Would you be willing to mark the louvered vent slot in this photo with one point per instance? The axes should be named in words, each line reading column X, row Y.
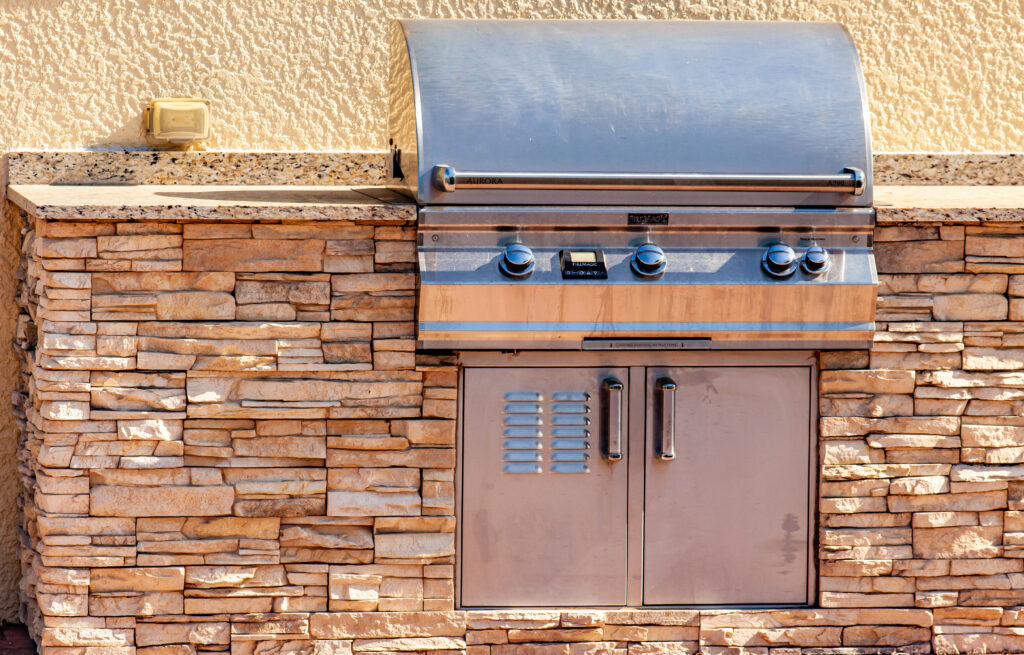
column 570, row 434
column 522, row 434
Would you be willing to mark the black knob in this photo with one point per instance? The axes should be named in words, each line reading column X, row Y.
column 779, row 260
column 815, row 260
column 516, row 261
column 648, row 261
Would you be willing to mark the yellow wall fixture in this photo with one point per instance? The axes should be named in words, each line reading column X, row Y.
column 177, row 120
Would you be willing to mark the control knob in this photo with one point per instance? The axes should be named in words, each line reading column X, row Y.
column 648, row 260
column 815, row 260
column 779, row 260
column 516, row 260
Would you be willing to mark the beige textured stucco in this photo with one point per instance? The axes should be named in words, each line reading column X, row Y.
column 309, row 74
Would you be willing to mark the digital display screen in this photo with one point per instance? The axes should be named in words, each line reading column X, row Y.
column 583, row 265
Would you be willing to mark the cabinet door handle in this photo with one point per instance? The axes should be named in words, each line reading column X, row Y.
column 611, row 412
column 666, row 416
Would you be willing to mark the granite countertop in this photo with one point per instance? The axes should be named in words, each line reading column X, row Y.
column 205, row 202
column 969, row 205
column 965, row 205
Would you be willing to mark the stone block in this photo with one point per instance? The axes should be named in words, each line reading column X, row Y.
column 387, row 625
column 253, row 255
column 957, row 543
column 160, row 501
column 415, row 546
column 970, row 307
column 207, row 633
column 920, row 256
column 158, row 578
column 372, row 503
column 195, row 306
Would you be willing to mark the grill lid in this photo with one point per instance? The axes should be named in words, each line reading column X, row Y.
column 629, row 112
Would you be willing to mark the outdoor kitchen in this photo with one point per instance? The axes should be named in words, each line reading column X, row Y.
column 605, row 354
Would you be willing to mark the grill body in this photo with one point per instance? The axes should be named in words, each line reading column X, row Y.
column 636, row 234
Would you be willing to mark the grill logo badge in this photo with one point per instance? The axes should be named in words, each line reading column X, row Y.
column 647, row 219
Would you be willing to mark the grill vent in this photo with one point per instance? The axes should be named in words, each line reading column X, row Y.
column 522, row 434
column 523, row 437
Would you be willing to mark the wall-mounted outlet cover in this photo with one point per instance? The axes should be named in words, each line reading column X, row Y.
column 177, row 120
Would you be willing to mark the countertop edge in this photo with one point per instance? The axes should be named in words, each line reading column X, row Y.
column 209, row 203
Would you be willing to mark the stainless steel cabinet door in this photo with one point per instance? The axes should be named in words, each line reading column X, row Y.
column 726, row 519
column 544, row 487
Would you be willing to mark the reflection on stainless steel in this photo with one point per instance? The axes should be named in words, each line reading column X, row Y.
column 516, row 261
column 666, row 403
column 447, row 179
column 779, row 260
column 611, row 416
column 648, row 261
column 741, row 105
column 816, row 260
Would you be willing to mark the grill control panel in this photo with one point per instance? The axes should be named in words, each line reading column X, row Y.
column 716, row 278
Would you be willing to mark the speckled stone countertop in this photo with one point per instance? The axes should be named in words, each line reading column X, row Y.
column 220, row 203
column 962, row 205
column 967, row 205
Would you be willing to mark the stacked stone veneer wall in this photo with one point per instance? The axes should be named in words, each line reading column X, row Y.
column 229, row 443
column 226, row 429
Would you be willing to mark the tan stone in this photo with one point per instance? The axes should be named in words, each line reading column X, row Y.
column 992, row 435
column 919, row 486
column 970, row 307
column 357, row 625
column 409, row 546
column 814, row 617
column 747, row 637
column 374, row 479
column 530, row 649
column 254, row 528
column 370, row 503
column 265, row 312
column 88, row 636
column 160, row 501
column 320, row 536
column 199, row 633
column 171, row 649
column 566, row 634
column 957, row 542
column 885, row 635
column 62, row 604
column 308, row 447
column 253, row 255
column 984, row 642
column 920, row 257
column 235, row 576
column 964, row 502
column 993, row 359
column 150, row 429
column 371, row 282
column 135, row 603
column 66, row 248
column 163, row 578
column 195, row 306
column 165, row 361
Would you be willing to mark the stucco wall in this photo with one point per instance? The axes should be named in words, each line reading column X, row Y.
column 309, row 74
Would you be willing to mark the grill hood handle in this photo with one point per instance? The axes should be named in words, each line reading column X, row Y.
column 448, row 179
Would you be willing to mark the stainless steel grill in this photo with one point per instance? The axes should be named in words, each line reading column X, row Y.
column 600, row 202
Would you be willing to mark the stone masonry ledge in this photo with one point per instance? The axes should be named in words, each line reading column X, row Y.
column 212, row 203
column 951, row 205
